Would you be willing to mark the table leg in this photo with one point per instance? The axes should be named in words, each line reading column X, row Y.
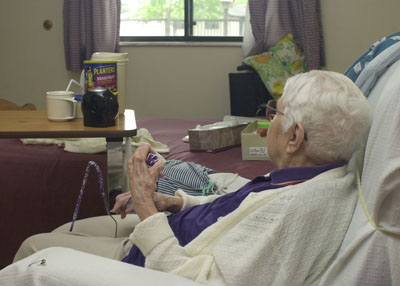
column 127, row 155
column 115, row 162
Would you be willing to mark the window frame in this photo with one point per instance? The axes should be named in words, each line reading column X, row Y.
column 187, row 37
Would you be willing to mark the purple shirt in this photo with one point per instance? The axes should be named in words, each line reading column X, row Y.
column 189, row 223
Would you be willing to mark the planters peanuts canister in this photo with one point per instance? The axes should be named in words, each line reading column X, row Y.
column 101, row 73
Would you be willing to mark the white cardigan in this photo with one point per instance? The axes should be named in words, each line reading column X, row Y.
column 285, row 236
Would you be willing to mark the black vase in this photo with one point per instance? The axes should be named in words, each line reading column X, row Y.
column 99, row 107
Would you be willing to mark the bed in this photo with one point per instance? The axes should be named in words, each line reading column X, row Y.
column 171, row 132
column 40, row 184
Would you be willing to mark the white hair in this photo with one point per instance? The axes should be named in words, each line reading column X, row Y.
column 334, row 112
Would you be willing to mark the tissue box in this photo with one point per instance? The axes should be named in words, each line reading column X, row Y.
column 254, row 147
column 216, row 139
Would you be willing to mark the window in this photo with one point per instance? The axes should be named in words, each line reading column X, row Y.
column 182, row 20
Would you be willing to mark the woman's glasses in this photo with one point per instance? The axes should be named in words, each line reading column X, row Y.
column 272, row 110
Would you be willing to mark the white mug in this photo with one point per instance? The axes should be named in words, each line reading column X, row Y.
column 61, row 105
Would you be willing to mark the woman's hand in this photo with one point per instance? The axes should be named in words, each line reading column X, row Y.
column 122, row 204
column 143, row 182
column 143, row 198
column 163, row 203
column 167, row 203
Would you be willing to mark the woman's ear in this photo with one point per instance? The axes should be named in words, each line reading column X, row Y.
column 296, row 139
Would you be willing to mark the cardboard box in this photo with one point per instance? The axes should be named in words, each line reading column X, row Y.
column 254, row 147
column 215, row 140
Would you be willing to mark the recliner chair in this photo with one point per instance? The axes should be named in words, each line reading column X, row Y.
column 370, row 253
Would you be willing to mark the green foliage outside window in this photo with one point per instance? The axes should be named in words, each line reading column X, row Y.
column 153, row 9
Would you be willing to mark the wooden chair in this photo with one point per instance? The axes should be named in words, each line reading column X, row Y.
column 8, row 105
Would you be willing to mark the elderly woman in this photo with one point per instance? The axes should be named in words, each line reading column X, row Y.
column 280, row 229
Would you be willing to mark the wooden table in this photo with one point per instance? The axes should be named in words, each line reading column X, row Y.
column 34, row 124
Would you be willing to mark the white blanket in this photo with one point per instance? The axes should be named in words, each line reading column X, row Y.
column 285, row 236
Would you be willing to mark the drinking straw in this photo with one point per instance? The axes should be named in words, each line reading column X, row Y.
column 73, row 81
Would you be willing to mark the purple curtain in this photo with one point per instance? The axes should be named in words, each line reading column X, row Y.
column 258, row 10
column 271, row 20
column 89, row 26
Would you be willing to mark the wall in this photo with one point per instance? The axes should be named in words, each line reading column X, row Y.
column 350, row 27
column 32, row 59
column 167, row 81
column 189, row 82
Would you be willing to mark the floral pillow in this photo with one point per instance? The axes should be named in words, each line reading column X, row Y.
column 289, row 54
column 271, row 70
column 280, row 62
